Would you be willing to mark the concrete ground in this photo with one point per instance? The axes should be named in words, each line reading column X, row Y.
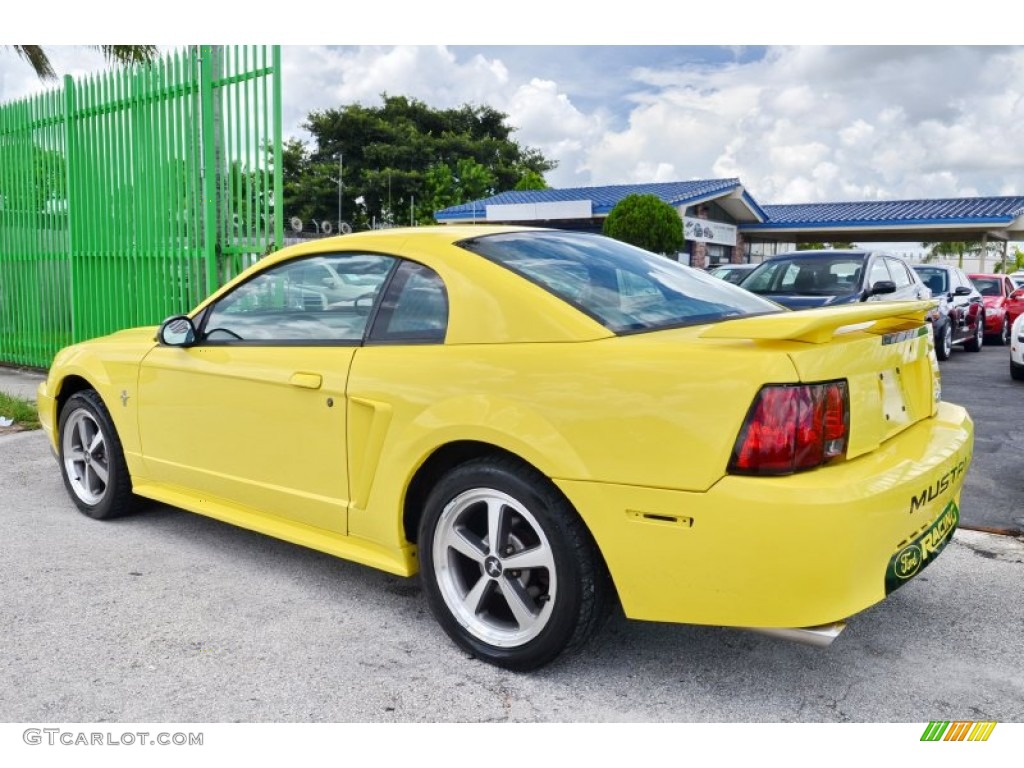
column 20, row 382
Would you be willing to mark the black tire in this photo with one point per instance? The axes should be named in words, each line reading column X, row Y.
column 943, row 342
column 974, row 343
column 92, row 460
column 1016, row 371
column 1004, row 332
column 519, row 618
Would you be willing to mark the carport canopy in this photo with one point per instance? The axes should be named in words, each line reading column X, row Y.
column 955, row 219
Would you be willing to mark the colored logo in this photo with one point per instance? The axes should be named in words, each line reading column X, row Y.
column 908, row 561
column 920, row 552
column 960, row 730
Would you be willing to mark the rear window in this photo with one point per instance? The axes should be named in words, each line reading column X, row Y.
column 935, row 278
column 624, row 288
column 988, row 286
column 819, row 275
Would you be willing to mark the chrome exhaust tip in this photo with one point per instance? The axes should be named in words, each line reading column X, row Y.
column 819, row 637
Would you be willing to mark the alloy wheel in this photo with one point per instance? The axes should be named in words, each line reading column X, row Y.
column 85, row 457
column 495, row 568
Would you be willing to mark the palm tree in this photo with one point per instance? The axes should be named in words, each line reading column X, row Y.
column 959, row 249
column 119, row 54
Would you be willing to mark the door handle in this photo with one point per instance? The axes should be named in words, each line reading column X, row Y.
column 306, row 380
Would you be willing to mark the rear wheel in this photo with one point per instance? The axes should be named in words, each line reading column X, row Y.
column 1016, row 371
column 974, row 344
column 509, row 569
column 91, row 459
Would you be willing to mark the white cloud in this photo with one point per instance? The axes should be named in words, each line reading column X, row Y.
column 797, row 124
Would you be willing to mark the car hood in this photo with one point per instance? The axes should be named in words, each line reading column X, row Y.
column 992, row 301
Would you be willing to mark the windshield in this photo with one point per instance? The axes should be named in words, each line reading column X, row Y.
column 988, row 286
column 732, row 275
column 624, row 288
column 819, row 275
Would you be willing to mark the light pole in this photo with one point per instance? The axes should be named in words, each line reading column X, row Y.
column 341, row 185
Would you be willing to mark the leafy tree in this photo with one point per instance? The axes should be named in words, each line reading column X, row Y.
column 403, row 160
column 646, row 221
column 473, row 180
column 1015, row 263
column 531, row 180
column 37, row 58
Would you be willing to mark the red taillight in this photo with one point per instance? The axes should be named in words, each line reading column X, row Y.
column 792, row 427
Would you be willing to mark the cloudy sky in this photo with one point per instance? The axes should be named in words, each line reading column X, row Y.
column 795, row 123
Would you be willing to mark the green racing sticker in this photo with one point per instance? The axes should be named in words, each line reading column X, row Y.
column 916, row 555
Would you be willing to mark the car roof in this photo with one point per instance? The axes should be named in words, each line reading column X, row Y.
column 796, row 255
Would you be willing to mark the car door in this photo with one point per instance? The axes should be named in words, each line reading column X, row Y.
column 877, row 271
column 960, row 304
column 907, row 288
column 254, row 414
column 1014, row 300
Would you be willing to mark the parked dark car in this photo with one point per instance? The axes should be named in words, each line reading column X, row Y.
column 805, row 279
column 961, row 310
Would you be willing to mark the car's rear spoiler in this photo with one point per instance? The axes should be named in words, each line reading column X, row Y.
column 819, row 325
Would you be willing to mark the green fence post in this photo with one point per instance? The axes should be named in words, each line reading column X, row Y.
column 278, row 182
column 70, row 167
column 207, row 143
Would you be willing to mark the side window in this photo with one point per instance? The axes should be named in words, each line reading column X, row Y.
column 878, row 272
column 899, row 273
column 789, row 277
column 414, row 308
column 320, row 299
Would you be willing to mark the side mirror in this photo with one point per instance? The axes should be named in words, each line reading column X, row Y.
column 177, row 331
column 1017, row 295
column 883, row 286
column 962, row 290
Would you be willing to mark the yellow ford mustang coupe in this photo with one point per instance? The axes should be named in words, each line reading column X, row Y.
column 538, row 422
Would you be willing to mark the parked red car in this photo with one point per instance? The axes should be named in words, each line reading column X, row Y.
column 1003, row 302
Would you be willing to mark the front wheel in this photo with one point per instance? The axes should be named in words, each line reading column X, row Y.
column 91, row 459
column 943, row 342
column 509, row 569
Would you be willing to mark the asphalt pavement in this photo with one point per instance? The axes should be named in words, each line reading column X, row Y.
column 993, row 495
column 167, row 616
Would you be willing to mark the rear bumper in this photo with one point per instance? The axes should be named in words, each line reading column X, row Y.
column 796, row 551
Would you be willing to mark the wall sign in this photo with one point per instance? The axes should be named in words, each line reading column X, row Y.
column 704, row 231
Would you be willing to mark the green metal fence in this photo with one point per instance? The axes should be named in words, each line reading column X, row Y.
column 127, row 196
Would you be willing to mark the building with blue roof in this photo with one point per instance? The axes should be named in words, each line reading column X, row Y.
column 723, row 223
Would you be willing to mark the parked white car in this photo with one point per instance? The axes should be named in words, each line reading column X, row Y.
column 1017, row 349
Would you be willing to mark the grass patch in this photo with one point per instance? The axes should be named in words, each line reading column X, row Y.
column 22, row 411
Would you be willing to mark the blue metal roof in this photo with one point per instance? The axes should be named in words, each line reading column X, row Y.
column 887, row 213
column 674, row 193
